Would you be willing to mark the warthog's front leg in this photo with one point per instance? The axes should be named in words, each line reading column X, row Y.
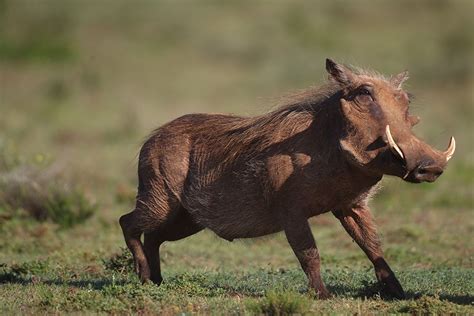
column 360, row 225
column 302, row 242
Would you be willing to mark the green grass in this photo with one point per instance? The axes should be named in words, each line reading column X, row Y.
column 82, row 85
column 49, row 286
column 204, row 274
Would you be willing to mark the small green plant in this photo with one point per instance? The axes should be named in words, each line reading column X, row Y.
column 430, row 305
column 279, row 302
column 121, row 262
column 68, row 208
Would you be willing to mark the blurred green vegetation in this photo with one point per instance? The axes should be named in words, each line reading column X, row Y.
column 83, row 83
column 35, row 189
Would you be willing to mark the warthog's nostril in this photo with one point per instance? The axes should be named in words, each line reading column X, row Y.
column 428, row 173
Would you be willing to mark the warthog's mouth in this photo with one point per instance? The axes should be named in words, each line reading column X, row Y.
column 423, row 174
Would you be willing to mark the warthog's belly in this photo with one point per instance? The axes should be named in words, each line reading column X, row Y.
column 233, row 217
column 235, row 206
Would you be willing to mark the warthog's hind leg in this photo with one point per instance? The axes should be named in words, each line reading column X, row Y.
column 178, row 227
column 151, row 243
column 132, row 231
column 358, row 222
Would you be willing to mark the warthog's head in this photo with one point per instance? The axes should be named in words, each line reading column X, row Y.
column 379, row 135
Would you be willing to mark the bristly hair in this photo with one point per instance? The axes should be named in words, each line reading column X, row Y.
column 237, row 135
column 369, row 73
column 234, row 135
column 309, row 97
column 294, row 113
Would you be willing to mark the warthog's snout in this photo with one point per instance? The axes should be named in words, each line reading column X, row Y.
column 427, row 172
column 424, row 164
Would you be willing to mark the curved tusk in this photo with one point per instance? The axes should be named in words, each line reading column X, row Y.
column 451, row 148
column 393, row 146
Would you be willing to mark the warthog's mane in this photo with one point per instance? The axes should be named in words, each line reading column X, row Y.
column 234, row 136
column 227, row 137
column 293, row 109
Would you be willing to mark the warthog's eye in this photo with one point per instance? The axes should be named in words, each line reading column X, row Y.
column 364, row 94
column 365, row 91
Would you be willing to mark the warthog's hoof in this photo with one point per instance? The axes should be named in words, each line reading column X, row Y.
column 143, row 272
column 392, row 288
column 324, row 295
column 156, row 280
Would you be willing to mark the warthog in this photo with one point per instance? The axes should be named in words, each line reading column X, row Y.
column 325, row 150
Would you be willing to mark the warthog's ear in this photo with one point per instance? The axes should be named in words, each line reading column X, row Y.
column 339, row 73
column 398, row 80
column 414, row 120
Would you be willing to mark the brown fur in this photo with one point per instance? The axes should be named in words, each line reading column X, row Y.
column 243, row 177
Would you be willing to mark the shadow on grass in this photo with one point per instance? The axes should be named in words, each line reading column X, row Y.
column 369, row 290
column 458, row 299
column 97, row 284
column 375, row 290
column 94, row 284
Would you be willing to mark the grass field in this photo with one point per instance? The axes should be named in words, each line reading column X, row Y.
column 83, row 83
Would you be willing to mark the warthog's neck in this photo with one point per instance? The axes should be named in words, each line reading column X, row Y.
column 334, row 184
column 309, row 167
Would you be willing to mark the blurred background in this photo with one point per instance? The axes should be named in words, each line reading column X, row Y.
column 82, row 83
